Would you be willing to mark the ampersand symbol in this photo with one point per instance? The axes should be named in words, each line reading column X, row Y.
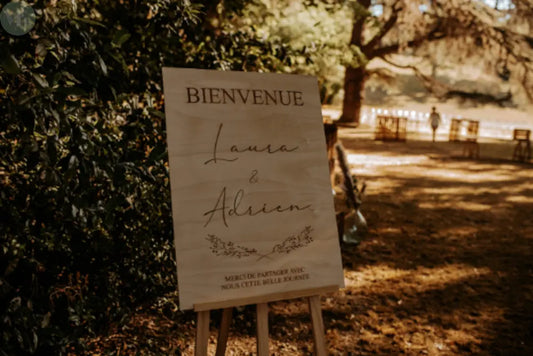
column 254, row 178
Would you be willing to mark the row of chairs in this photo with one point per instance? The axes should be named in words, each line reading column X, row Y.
column 394, row 128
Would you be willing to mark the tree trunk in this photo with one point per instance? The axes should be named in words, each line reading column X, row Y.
column 354, row 78
column 354, row 86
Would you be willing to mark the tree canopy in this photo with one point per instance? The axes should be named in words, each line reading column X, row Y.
column 498, row 38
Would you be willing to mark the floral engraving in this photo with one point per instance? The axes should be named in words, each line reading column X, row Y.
column 293, row 242
column 221, row 248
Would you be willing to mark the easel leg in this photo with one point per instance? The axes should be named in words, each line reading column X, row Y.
column 202, row 333
column 224, row 332
column 318, row 325
column 262, row 329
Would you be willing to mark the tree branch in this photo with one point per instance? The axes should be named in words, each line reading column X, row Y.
column 389, row 25
column 381, row 52
column 359, row 23
column 442, row 91
column 479, row 97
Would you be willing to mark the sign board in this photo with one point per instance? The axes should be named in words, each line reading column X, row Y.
column 251, row 197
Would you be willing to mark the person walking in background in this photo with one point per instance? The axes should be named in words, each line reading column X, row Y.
column 434, row 121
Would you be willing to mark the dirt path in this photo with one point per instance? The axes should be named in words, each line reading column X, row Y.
column 446, row 269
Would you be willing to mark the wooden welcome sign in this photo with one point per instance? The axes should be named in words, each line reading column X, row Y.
column 251, row 197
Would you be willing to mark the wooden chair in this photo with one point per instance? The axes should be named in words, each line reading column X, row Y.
column 390, row 128
column 381, row 130
column 455, row 130
column 522, row 150
column 401, row 129
column 470, row 144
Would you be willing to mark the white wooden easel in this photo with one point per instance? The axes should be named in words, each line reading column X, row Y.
column 203, row 316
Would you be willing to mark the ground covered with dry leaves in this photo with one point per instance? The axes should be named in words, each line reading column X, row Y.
column 446, row 268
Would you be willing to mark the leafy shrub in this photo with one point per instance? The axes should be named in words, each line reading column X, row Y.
column 86, row 230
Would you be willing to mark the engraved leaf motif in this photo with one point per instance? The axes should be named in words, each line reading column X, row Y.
column 294, row 242
column 220, row 247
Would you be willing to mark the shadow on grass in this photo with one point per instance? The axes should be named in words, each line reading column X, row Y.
column 447, row 266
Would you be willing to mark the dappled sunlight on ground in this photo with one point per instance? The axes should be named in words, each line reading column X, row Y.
column 445, row 269
column 464, row 175
column 520, row 199
column 464, row 205
column 419, row 280
column 372, row 160
column 420, row 336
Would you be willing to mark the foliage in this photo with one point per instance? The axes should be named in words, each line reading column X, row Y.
column 497, row 39
column 86, row 232
column 320, row 31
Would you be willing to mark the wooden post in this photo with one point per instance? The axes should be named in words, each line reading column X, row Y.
column 224, row 332
column 202, row 329
column 203, row 310
column 318, row 325
column 202, row 333
column 262, row 329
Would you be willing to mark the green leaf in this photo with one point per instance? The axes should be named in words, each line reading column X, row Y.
column 120, row 37
column 156, row 113
column 103, row 66
column 46, row 320
column 41, row 82
column 120, row 59
column 158, row 152
column 41, row 49
column 88, row 21
column 9, row 64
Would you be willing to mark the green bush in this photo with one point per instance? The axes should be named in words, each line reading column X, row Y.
column 86, row 231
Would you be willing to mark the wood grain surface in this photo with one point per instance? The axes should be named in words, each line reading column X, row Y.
column 251, row 198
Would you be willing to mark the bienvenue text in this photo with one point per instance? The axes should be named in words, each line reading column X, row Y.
column 244, row 96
